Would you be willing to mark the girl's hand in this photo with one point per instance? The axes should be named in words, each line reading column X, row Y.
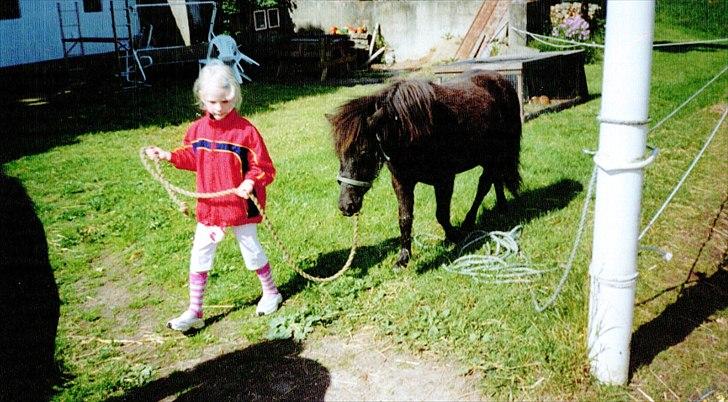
column 244, row 189
column 158, row 153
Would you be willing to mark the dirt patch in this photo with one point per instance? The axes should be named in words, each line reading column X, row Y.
column 109, row 299
column 719, row 108
column 110, row 294
column 364, row 368
column 359, row 368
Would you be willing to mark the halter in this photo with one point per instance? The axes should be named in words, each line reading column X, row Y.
column 359, row 183
column 352, row 182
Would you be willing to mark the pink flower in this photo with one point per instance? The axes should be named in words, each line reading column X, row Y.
column 573, row 28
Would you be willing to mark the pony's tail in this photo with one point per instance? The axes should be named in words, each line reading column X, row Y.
column 512, row 176
column 511, row 156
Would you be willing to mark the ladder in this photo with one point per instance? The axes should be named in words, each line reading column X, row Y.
column 129, row 66
column 65, row 11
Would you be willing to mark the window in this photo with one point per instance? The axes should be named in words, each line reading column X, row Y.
column 259, row 20
column 9, row 9
column 91, row 6
column 273, row 20
column 266, row 19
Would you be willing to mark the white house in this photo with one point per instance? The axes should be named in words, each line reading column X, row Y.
column 31, row 29
column 43, row 30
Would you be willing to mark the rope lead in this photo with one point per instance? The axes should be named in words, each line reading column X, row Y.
column 155, row 170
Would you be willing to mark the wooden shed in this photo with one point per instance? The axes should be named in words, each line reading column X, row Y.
column 545, row 81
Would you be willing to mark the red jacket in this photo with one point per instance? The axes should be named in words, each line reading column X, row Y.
column 224, row 153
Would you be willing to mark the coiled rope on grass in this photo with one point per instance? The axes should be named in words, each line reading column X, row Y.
column 499, row 262
column 155, row 170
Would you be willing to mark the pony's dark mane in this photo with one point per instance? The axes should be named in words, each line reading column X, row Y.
column 411, row 102
column 349, row 120
column 408, row 101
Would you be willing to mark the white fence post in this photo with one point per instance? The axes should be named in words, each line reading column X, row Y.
column 622, row 143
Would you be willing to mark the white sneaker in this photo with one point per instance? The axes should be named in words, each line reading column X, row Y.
column 184, row 322
column 268, row 304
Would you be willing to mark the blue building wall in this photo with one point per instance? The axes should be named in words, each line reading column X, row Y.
column 36, row 35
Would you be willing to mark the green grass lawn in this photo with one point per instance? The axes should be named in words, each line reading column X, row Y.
column 119, row 249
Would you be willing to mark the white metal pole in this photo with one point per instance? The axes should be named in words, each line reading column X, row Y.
column 622, row 143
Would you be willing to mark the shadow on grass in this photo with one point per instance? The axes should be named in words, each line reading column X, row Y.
column 46, row 111
column 706, row 47
column 694, row 305
column 268, row 371
column 521, row 210
column 29, row 300
column 692, row 308
column 531, row 205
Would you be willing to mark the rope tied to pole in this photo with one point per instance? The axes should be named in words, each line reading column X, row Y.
column 155, row 170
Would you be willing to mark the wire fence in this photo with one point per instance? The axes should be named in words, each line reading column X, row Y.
column 568, row 43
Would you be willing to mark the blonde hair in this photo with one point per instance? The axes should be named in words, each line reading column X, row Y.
column 217, row 74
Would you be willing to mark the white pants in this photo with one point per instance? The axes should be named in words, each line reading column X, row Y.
column 208, row 237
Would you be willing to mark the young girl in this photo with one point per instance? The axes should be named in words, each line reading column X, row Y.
column 226, row 151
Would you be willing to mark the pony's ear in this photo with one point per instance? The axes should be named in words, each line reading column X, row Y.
column 374, row 119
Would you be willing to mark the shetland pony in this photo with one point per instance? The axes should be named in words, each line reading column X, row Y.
column 427, row 133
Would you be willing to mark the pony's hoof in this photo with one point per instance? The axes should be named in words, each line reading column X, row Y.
column 454, row 235
column 501, row 207
column 402, row 260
